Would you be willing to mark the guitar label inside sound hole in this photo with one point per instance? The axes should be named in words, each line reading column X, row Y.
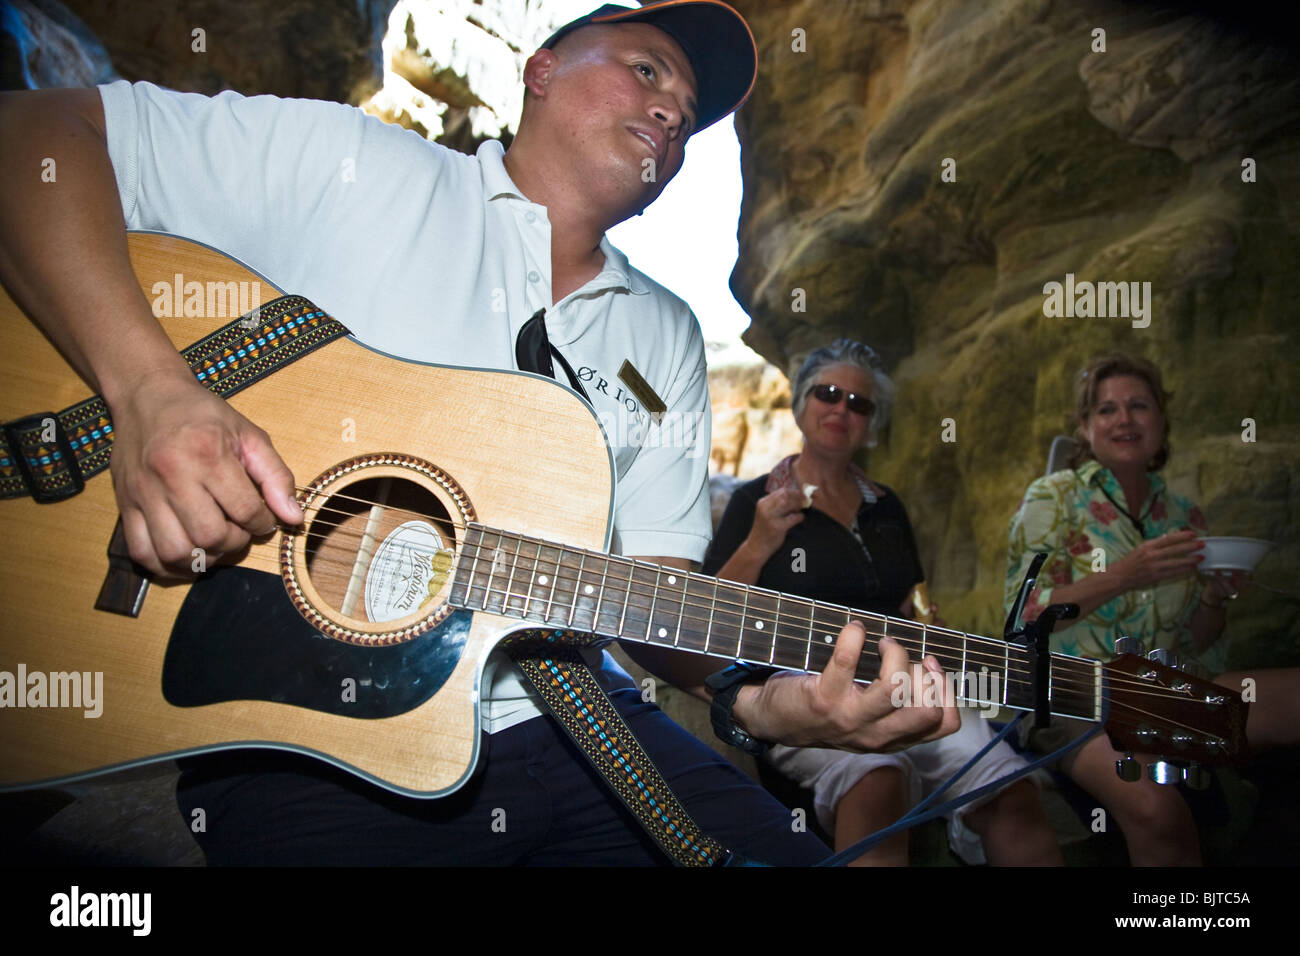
column 380, row 549
column 407, row 572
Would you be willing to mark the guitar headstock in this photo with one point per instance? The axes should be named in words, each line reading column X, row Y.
column 1156, row 709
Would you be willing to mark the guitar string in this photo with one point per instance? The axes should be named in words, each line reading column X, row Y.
column 1084, row 688
column 1084, row 682
column 1119, row 708
column 452, row 523
column 1063, row 667
column 1062, row 679
column 1060, row 670
column 1164, row 719
column 651, row 590
column 646, row 589
column 813, row 612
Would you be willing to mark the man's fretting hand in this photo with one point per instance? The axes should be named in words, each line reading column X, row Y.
column 832, row 710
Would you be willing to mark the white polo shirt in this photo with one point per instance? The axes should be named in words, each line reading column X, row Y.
column 428, row 254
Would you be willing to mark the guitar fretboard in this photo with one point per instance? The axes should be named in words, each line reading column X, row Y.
column 553, row 585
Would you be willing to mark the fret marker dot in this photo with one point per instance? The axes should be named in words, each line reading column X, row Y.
column 759, row 625
column 672, row 579
column 588, row 589
column 663, row 632
column 542, row 579
column 828, row 639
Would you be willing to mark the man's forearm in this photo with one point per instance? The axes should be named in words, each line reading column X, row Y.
column 63, row 256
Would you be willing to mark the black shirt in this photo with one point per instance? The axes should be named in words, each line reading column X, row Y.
column 821, row 559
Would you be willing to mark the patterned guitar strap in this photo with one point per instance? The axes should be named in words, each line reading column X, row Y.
column 51, row 455
column 551, row 661
column 553, row 664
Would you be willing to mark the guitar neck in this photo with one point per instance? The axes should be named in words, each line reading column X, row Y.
column 555, row 586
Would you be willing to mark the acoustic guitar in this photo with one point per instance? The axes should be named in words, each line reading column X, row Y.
column 438, row 522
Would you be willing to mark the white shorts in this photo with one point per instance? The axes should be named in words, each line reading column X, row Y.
column 830, row 774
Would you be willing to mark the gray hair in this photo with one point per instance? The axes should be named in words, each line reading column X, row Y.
column 847, row 352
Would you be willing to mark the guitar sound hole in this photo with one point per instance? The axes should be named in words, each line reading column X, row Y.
column 380, row 549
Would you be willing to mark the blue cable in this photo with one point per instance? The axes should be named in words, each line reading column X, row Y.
column 919, row 813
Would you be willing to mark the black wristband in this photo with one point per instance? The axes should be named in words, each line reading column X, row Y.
column 725, row 685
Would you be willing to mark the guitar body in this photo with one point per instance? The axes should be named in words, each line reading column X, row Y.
column 232, row 660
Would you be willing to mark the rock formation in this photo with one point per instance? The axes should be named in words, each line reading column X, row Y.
column 288, row 47
column 921, row 169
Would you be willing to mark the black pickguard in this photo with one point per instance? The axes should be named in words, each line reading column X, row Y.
column 238, row 637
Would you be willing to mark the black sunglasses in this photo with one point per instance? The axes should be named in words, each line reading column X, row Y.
column 831, row 395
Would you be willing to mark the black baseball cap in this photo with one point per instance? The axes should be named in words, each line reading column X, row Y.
column 715, row 38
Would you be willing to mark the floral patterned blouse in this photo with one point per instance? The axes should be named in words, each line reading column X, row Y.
column 1067, row 515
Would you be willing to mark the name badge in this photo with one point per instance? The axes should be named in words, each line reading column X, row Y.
column 638, row 386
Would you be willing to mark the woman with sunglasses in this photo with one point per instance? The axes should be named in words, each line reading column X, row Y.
column 818, row 527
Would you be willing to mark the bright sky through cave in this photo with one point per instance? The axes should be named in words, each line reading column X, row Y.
column 686, row 240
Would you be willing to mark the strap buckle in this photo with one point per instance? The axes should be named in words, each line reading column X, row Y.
column 44, row 491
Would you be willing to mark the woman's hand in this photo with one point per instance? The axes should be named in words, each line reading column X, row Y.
column 774, row 515
column 1223, row 586
column 1172, row 555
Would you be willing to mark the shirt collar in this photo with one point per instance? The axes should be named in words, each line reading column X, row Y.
column 782, row 476
column 492, row 167
column 1093, row 473
column 617, row 272
column 497, row 184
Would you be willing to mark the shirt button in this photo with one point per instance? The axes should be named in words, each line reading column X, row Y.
column 533, row 276
column 530, row 217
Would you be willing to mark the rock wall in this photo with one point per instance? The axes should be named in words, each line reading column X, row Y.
column 753, row 426
column 303, row 48
column 920, row 169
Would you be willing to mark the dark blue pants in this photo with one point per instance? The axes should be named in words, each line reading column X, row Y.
column 535, row 800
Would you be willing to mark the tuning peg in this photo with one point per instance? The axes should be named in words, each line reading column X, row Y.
column 1162, row 655
column 1129, row 645
column 1197, row 777
column 1164, row 773
column 1128, row 769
